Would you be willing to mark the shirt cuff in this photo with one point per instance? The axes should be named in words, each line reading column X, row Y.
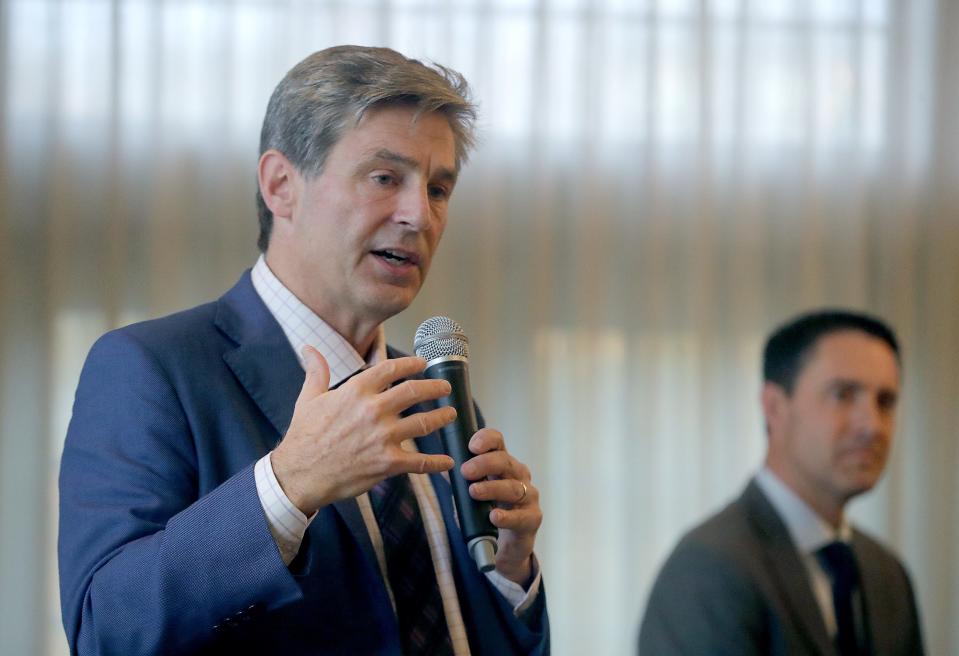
column 286, row 522
column 513, row 591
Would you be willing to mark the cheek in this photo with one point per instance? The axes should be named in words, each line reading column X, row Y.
column 434, row 236
column 884, row 443
column 439, row 226
column 817, row 438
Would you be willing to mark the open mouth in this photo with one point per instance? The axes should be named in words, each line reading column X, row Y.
column 396, row 257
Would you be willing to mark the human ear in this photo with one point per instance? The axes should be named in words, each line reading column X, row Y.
column 773, row 399
column 275, row 175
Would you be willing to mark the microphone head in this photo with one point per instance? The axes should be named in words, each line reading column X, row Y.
column 440, row 337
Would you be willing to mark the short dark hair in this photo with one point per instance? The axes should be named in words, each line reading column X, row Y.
column 789, row 347
column 331, row 90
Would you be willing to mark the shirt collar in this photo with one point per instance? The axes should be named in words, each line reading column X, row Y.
column 303, row 327
column 808, row 530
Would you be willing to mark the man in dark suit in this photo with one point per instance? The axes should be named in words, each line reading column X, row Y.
column 228, row 485
column 780, row 570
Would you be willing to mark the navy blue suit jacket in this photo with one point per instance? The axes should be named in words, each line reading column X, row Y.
column 164, row 547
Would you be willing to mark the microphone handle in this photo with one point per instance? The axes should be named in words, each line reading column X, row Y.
column 478, row 531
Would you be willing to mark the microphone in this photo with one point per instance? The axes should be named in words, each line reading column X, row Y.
column 441, row 342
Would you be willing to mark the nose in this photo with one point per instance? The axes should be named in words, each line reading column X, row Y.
column 871, row 417
column 413, row 207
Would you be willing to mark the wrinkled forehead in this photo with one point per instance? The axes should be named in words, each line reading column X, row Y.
column 417, row 115
column 416, row 140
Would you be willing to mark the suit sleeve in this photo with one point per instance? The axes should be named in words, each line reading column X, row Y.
column 147, row 567
column 702, row 603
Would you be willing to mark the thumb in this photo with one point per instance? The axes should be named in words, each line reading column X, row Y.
column 317, row 379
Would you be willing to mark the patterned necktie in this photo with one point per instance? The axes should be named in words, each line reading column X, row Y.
column 409, row 563
column 840, row 564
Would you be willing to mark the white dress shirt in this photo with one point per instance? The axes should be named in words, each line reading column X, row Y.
column 288, row 525
column 809, row 533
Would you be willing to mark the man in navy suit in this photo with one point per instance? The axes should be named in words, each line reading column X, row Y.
column 229, row 469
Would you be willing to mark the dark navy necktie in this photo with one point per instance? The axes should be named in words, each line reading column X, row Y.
column 409, row 564
column 839, row 563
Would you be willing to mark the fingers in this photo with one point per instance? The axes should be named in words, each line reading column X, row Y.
column 393, row 400
column 495, row 464
column 487, row 439
column 422, row 423
column 317, row 379
column 410, row 392
column 511, row 492
column 379, row 377
column 422, row 463
column 524, row 519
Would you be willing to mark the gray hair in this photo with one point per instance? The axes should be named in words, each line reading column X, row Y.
column 331, row 90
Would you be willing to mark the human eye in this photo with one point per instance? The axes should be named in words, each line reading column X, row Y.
column 887, row 401
column 844, row 392
column 384, row 179
column 438, row 192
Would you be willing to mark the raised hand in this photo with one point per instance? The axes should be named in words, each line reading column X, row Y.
column 342, row 442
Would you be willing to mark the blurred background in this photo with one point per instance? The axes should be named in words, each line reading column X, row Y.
column 658, row 184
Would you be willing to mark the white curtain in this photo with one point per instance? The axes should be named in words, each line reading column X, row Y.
column 659, row 183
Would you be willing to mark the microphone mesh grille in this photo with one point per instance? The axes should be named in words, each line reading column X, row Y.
column 439, row 337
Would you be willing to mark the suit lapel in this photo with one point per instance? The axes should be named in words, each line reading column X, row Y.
column 263, row 360
column 872, row 580
column 783, row 563
column 265, row 365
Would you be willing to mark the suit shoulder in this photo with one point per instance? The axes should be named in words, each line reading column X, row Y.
column 717, row 549
column 705, row 598
column 723, row 532
column 177, row 325
column 181, row 332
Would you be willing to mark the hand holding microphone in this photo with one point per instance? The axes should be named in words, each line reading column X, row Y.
column 484, row 472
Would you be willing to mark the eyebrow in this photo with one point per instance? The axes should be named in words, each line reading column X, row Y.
column 845, row 382
column 443, row 173
column 858, row 385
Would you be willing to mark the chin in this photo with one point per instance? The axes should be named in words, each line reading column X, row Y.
column 862, row 482
column 391, row 304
